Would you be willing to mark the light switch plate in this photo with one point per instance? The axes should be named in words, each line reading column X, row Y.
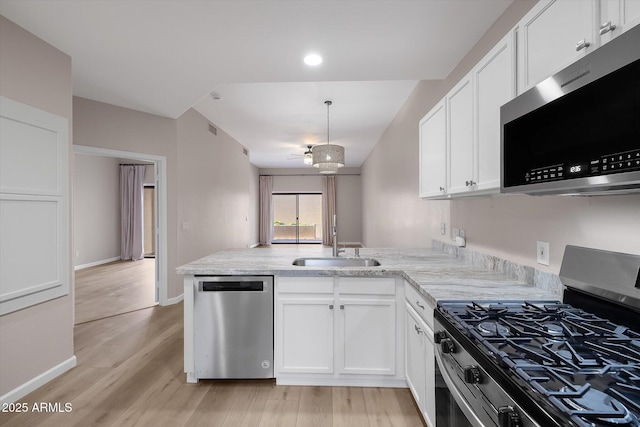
column 542, row 252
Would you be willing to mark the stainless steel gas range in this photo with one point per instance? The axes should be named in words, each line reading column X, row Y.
column 547, row 363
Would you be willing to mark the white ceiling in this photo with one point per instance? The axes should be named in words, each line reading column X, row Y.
column 165, row 56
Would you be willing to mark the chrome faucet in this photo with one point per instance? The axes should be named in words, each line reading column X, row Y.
column 336, row 251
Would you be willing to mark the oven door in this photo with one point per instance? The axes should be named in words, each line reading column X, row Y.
column 452, row 410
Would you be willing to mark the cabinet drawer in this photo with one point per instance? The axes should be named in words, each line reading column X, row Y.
column 419, row 303
column 367, row 286
column 305, row 285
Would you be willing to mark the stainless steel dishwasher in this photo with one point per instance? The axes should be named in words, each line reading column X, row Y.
column 233, row 327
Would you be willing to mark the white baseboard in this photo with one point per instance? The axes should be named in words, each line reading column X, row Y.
column 340, row 382
column 255, row 245
column 175, row 300
column 37, row 382
column 93, row 264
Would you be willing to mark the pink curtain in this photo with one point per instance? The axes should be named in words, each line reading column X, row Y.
column 265, row 222
column 131, row 211
column 328, row 208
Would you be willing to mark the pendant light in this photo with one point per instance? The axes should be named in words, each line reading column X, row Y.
column 328, row 157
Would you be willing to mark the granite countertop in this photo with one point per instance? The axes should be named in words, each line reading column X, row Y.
column 435, row 275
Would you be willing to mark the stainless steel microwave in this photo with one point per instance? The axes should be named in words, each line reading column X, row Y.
column 577, row 132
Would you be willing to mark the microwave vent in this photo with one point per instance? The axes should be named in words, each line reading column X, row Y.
column 581, row 72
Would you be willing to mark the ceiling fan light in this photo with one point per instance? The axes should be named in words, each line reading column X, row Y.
column 308, row 159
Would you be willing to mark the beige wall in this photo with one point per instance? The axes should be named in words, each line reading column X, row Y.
column 38, row 338
column 216, row 197
column 96, row 209
column 505, row 226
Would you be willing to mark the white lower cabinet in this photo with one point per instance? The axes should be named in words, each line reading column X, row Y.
column 305, row 339
column 367, row 335
column 339, row 330
column 419, row 354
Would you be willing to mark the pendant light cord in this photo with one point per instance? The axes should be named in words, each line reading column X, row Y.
column 328, row 104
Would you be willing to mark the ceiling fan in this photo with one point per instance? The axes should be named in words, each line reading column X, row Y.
column 307, row 156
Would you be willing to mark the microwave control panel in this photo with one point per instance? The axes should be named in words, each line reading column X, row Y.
column 627, row 161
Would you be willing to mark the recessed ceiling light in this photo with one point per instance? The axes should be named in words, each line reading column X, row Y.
column 313, row 59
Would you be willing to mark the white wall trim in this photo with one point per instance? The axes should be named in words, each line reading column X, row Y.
column 93, row 264
column 160, row 162
column 37, row 382
column 174, row 300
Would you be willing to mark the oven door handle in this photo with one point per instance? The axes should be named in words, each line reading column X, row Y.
column 459, row 398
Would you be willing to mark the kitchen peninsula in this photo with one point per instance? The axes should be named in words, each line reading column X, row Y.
column 426, row 273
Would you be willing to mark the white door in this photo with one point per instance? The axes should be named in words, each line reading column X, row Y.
column 366, row 338
column 415, row 356
column 461, row 144
column 616, row 17
column 305, row 334
column 433, row 148
column 550, row 37
column 495, row 85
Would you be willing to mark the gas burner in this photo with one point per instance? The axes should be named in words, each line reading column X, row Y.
column 597, row 406
column 554, row 330
column 494, row 329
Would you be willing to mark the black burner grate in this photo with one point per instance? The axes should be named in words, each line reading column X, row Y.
column 586, row 366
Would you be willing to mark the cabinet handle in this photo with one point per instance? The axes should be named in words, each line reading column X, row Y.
column 341, row 307
column 418, row 304
column 418, row 330
column 330, row 306
column 607, row 27
column 582, row 44
column 441, row 188
column 470, row 183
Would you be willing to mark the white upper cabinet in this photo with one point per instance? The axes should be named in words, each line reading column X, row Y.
column 553, row 35
column 616, row 17
column 460, row 136
column 495, row 84
column 460, row 131
column 433, row 149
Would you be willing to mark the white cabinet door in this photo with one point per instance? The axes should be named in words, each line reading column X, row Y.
column 461, row 143
column 549, row 38
column 616, row 17
column 366, row 342
column 429, row 409
column 495, row 84
column 415, row 356
column 433, row 147
column 305, row 334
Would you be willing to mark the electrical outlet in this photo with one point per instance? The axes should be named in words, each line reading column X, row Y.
column 461, row 233
column 443, row 228
column 456, row 232
column 542, row 252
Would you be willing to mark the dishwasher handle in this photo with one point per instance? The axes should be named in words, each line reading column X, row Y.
column 232, row 286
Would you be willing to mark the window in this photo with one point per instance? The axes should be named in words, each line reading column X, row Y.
column 297, row 218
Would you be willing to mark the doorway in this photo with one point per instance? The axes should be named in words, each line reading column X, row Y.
column 297, row 218
column 157, row 208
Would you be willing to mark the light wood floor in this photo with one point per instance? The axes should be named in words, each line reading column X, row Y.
column 114, row 288
column 129, row 373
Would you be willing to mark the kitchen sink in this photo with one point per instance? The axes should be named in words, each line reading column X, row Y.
column 336, row 262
